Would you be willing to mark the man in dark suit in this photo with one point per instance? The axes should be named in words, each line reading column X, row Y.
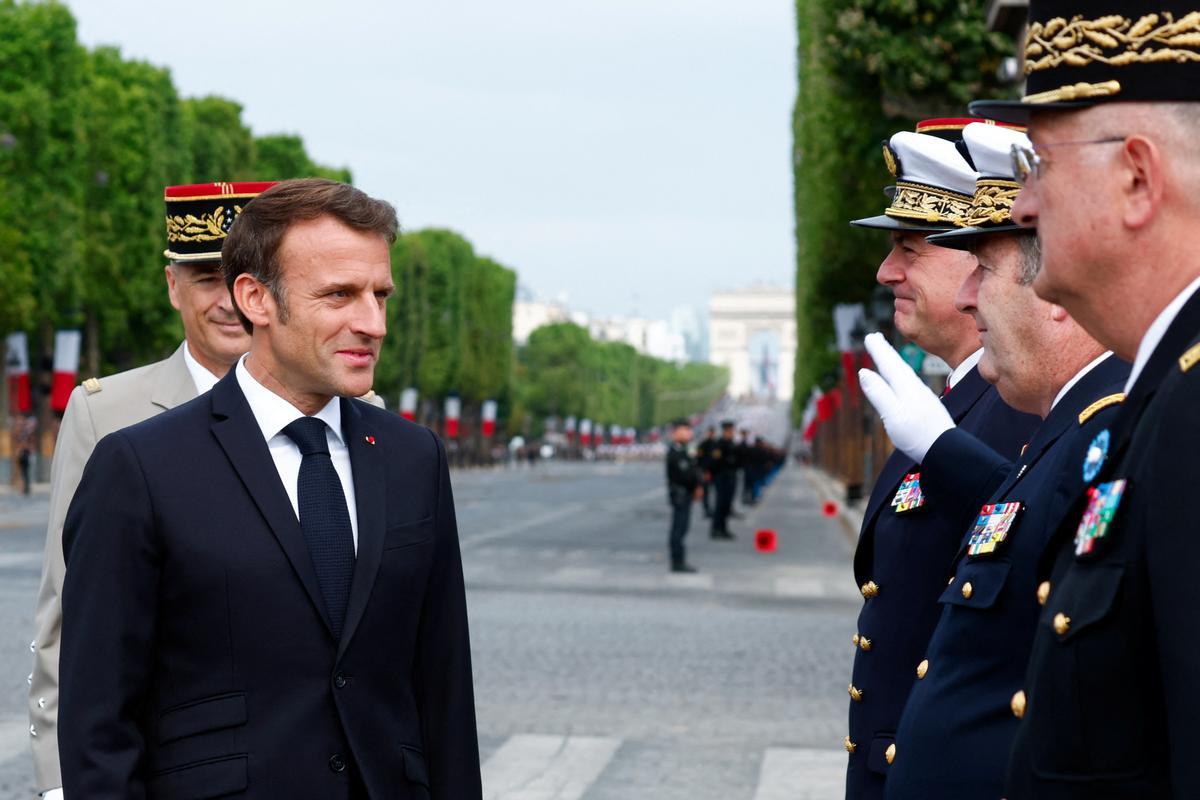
column 908, row 540
column 264, row 595
column 956, row 730
column 1110, row 184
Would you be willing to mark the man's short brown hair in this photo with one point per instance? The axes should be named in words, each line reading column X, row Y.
column 253, row 243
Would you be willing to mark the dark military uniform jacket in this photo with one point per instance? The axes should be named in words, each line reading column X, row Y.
column 957, row 728
column 704, row 453
column 1113, row 687
column 683, row 476
column 903, row 559
column 723, row 457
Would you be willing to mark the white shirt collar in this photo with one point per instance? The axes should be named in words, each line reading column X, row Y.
column 273, row 413
column 1079, row 376
column 1157, row 330
column 203, row 379
column 962, row 369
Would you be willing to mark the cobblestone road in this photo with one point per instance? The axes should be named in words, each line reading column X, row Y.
column 599, row 676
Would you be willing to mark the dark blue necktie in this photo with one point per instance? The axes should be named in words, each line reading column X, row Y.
column 324, row 518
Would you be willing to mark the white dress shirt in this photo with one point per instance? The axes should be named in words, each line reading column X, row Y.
column 1157, row 330
column 273, row 414
column 1095, row 362
column 962, row 369
column 203, row 379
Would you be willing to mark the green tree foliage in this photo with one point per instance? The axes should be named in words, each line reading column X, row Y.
column 867, row 68
column 562, row 372
column 220, row 144
column 282, row 156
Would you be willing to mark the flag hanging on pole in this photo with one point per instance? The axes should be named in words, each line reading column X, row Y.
column 16, row 360
column 488, row 416
column 569, row 428
column 453, row 412
column 408, row 404
column 66, row 366
column 585, row 433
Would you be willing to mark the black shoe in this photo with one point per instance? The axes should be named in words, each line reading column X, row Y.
column 683, row 567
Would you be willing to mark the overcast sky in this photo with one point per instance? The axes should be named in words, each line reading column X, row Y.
column 633, row 155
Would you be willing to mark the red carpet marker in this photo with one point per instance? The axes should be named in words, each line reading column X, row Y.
column 829, row 509
column 764, row 541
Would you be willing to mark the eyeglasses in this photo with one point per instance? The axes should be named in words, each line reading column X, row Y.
column 1027, row 163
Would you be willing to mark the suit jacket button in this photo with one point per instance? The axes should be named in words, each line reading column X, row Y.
column 337, row 763
column 1018, row 704
column 1043, row 592
column 967, row 590
column 1062, row 623
column 890, row 753
column 339, row 681
column 922, row 668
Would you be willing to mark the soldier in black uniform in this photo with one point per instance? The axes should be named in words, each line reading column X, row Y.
column 909, row 539
column 1111, row 698
column 956, row 730
column 704, row 460
column 724, row 467
column 683, row 485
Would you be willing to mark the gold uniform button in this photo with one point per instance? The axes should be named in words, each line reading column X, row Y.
column 855, row 639
column 1018, row 704
column 1062, row 623
column 864, row 643
column 967, row 590
column 890, row 753
column 855, row 693
column 849, row 745
column 1043, row 592
column 922, row 668
column 869, row 589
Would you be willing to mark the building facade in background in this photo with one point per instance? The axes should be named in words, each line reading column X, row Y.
column 752, row 332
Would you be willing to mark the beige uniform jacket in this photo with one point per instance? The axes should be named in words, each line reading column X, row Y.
column 92, row 413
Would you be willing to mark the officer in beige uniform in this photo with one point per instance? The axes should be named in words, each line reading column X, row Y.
column 198, row 218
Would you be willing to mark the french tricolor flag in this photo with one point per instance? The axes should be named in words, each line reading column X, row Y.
column 16, row 359
column 66, row 367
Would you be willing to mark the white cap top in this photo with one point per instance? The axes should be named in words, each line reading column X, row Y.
column 932, row 161
column 991, row 148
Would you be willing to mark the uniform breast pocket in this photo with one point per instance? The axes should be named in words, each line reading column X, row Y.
column 408, row 534
column 977, row 584
column 1086, row 681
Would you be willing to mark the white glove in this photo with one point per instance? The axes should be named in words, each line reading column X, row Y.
column 53, row 794
column 912, row 414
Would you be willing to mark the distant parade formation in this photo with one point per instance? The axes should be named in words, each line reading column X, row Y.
column 253, row 581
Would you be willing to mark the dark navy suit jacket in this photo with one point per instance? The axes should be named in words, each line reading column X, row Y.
column 909, row 556
column 958, row 726
column 1113, row 687
column 197, row 658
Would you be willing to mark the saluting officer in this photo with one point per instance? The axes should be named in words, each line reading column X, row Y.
column 956, row 730
column 198, row 219
column 723, row 461
column 683, row 486
column 908, row 540
column 1111, row 696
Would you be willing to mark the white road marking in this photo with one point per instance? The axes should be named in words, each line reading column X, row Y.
column 529, row 767
column 801, row 774
column 568, row 510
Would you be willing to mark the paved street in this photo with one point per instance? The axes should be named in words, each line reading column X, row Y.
column 599, row 676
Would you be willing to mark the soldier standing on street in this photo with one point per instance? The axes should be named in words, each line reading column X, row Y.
column 1110, row 183
column 908, row 540
column 704, row 459
column 724, row 468
column 683, row 486
column 956, row 730
column 213, row 341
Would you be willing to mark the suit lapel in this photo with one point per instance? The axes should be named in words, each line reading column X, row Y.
column 173, row 385
column 965, row 394
column 366, row 464
column 242, row 440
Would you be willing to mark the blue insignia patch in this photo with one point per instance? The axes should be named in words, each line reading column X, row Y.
column 1096, row 453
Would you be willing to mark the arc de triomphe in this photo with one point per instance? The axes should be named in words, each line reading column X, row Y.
column 752, row 331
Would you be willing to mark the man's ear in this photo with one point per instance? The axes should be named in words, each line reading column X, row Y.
column 1143, row 178
column 172, row 288
column 254, row 300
